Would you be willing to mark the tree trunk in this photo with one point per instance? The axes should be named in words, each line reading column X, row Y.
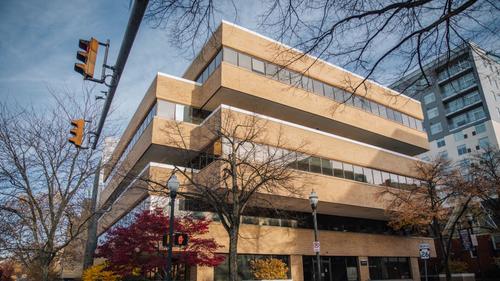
column 233, row 253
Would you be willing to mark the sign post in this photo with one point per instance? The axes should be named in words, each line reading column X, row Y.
column 425, row 254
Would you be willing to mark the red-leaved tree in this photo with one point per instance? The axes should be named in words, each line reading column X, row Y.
column 137, row 248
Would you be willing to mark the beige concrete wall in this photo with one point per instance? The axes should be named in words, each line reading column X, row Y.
column 271, row 51
column 295, row 241
column 248, row 82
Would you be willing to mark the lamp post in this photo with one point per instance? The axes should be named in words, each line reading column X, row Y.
column 313, row 199
column 173, row 186
column 470, row 220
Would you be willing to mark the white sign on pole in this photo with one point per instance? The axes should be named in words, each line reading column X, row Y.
column 316, row 246
column 473, row 239
column 425, row 251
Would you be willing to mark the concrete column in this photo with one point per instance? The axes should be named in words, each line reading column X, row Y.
column 296, row 268
column 364, row 271
column 202, row 273
column 415, row 270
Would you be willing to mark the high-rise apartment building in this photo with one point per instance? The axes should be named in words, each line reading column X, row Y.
column 355, row 149
column 461, row 102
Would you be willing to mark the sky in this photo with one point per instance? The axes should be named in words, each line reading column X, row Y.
column 40, row 40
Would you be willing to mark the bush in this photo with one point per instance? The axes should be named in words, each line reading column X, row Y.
column 99, row 273
column 458, row 267
column 269, row 268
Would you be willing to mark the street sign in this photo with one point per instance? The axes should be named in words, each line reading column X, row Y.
column 316, row 246
column 465, row 239
column 425, row 251
column 473, row 239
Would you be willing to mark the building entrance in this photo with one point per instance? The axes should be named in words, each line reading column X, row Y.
column 332, row 268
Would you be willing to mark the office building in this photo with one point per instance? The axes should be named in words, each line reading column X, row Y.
column 356, row 145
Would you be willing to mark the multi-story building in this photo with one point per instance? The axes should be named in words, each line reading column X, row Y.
column 356, row 145
column 460, row 100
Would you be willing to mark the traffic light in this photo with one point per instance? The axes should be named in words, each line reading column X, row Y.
column 88, row 56
column 77, row 132
column 180, row 239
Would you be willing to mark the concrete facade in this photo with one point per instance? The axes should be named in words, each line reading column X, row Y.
column 373, row 133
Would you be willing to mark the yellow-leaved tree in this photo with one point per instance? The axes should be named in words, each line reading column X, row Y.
column 269, row 268
column 99, row 273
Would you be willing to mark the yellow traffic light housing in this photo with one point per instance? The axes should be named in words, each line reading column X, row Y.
column 77, row 132
column 88, row 57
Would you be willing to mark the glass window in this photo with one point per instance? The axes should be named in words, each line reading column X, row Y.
column 295, row 79
column 386, row 268
column 430, row 97
column 303, row 162
column 244, row 61
column 458, row 136
column 244, row 267
column 307, row 83
column 218, row 59
column 394, row 180
column 348, row 171
column 338, row 169
column 484, row 143
column 339, row 95
column 419, row 124
column 481, row 128
column 368, row 175
column 440, row 143
column 166, row 109
column 366, row 105
column 315, row 165
column 386, row 178
column 326, row 167
column 398, row 117
column 377, row 177
column 258, row 65
column 328, row 91
column 432, row 112
column 271, row 70
column 462, row 149
column 383, row 111
column 374, row 107
column 318, row 87
column 358, row 174
column 390, row 114
column 357, row 101
column 179, row 112
column 406, row 120
column 230, row 56
column 284, row 76
column 436, row 128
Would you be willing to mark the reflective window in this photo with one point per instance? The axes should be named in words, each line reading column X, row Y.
column 318, row 87
column 315, row 165
column 430, row 97
column 258, row 65
column 338, row 169
column 358, row 174
column 230, row 56
column 326, row 167
column 348, row 171
column 244, row 61
column 389, row 268
column 368, row 175
column 481, row 128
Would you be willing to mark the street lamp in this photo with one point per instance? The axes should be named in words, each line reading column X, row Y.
column 173, row 186
column 313, row 199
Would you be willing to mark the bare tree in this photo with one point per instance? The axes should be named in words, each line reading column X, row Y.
column 437, row 206
column 380, row 40
column 43, row 181
column 375, row 37
column 245, row 163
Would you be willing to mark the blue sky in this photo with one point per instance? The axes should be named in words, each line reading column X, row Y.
column 40, row 40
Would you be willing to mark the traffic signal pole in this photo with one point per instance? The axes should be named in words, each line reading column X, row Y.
column 136, row 15
column 134, row 22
